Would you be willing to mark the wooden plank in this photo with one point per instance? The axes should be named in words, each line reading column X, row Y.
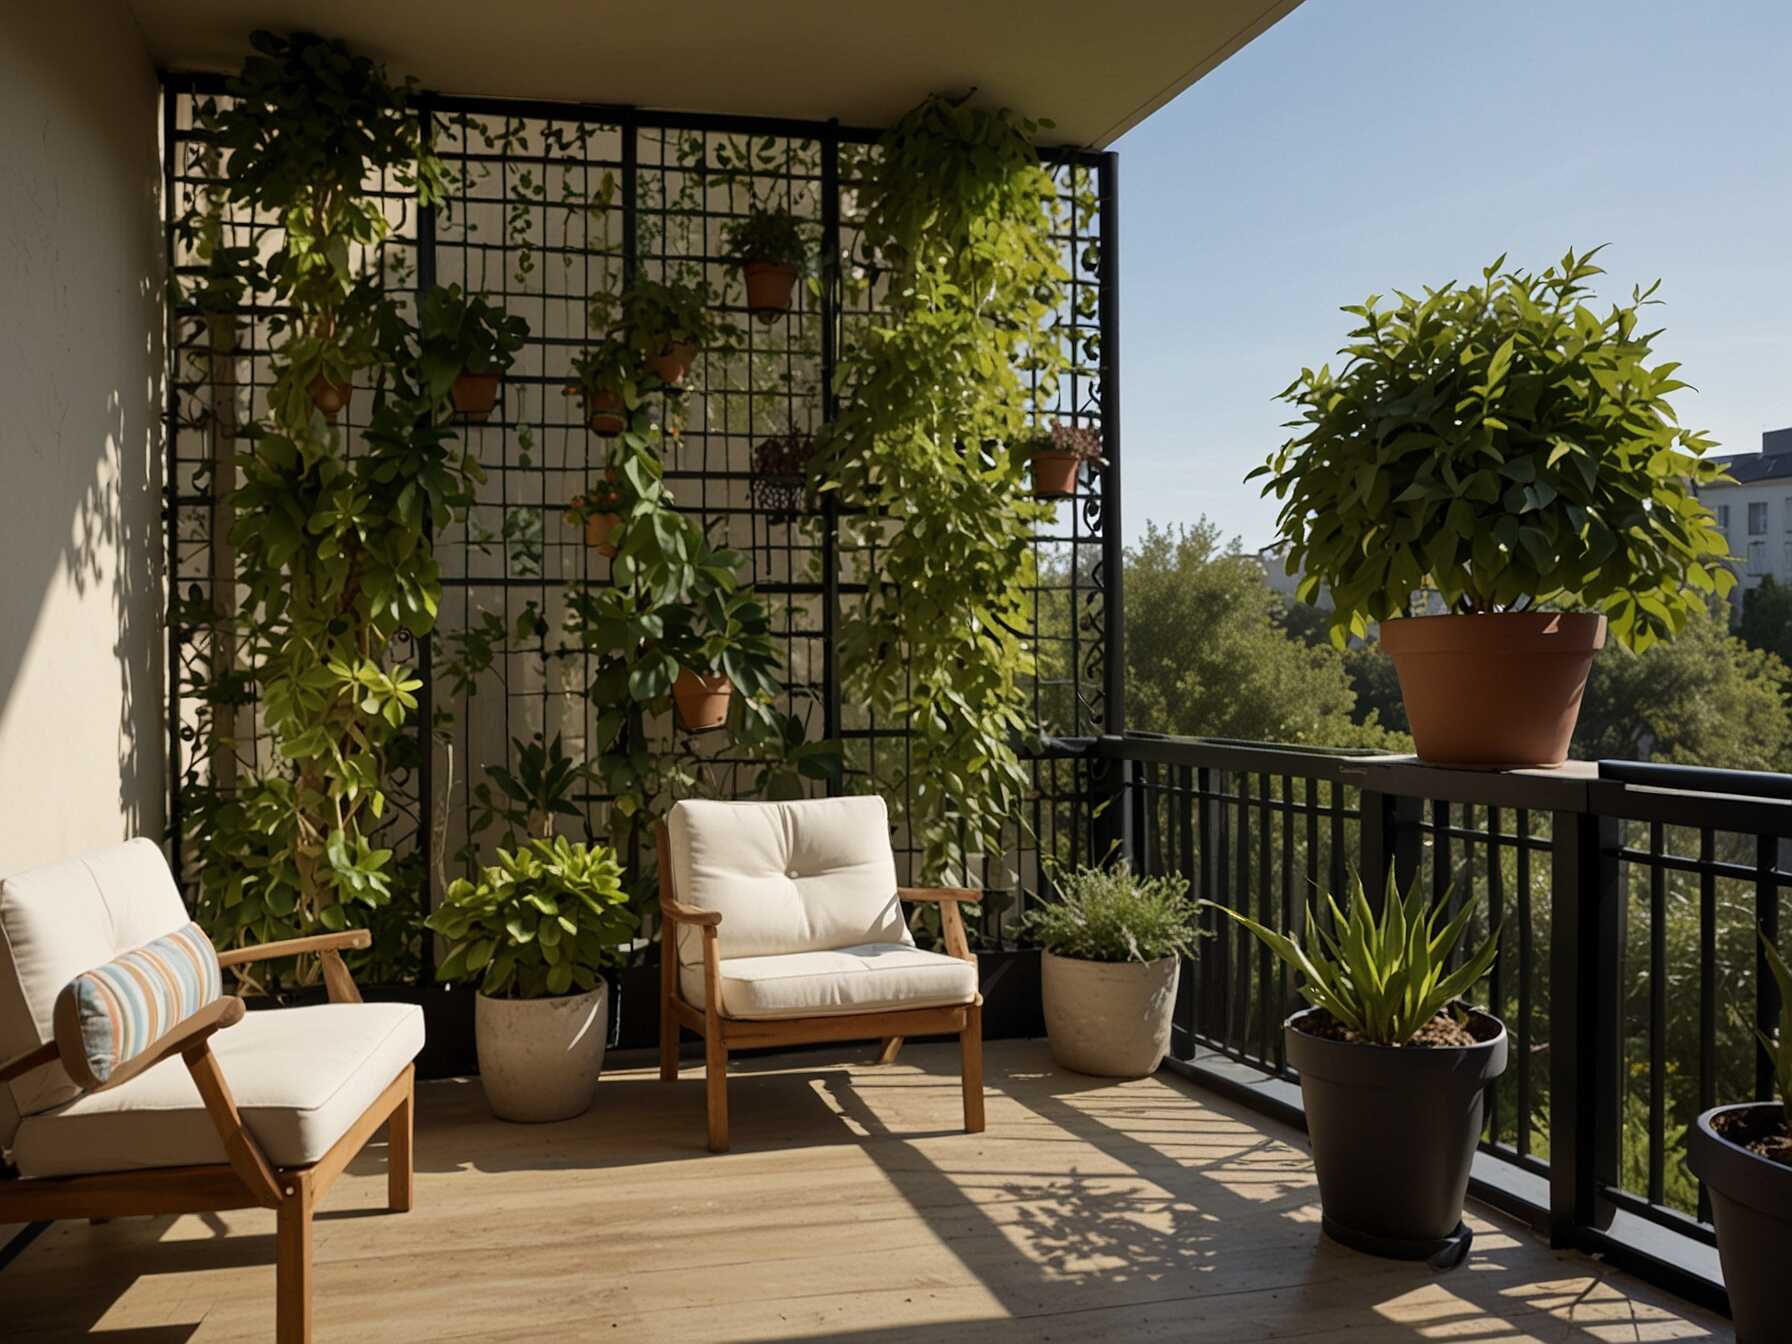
column 748, row 1033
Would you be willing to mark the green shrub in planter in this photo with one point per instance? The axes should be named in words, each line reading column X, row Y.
column 1111, row 914
column 461, row 333
column 1510, row 447
column 773, row 237
column 542, row 921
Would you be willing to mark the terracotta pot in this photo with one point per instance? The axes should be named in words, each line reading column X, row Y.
column 608, row 413
column 769, row 286
column 1499, row 690
column 1054, row 474
column 539, row 1058
column 475, row 394
column 1751, row 1203
column 599, row 528
column 702, row 702
column 1109, row 1018
column 331, row 398
column 672, row 363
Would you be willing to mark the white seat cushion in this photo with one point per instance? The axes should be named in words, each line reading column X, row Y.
column 869, row 978
column 787, row 877
column 301, row 1077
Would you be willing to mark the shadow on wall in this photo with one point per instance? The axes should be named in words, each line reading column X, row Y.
column 81, row 544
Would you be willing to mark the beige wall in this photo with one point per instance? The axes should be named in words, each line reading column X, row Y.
column 81, row 751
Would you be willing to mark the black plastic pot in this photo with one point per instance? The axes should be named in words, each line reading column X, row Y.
column 1394, row 1131
column 1751, row 1203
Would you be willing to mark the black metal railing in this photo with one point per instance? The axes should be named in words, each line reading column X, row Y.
column 1626, row 899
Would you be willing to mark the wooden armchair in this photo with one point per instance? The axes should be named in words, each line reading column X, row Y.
column 268, row 1110
column 782, row 925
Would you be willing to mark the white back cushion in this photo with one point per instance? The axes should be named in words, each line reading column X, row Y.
column 55, row 923
column 787, row 877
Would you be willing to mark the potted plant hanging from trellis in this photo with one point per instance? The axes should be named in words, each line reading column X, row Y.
column 467, row 344
column 1057, row 455
column 608, row 378
column 1504, row 447
column 667, row 323
column 780, row 485
column 771, row 251
column 599, row 511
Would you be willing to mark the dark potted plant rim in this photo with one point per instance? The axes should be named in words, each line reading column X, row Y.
column 1745, row 1177
column 1399, row 1069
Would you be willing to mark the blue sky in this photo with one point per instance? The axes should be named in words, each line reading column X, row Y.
column 1361, row 145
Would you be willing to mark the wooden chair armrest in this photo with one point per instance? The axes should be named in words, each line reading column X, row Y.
column 939, row 895
column 680, row 913
column 20, row 1065
column 355, row 939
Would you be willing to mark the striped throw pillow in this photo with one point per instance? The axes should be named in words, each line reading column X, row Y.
column 115, row 1012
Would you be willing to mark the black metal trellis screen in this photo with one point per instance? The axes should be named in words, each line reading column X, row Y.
column 554, row 203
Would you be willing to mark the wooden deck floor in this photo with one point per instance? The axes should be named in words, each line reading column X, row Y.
column 850, row 1210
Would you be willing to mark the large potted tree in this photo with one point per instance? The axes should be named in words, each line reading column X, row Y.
column 1743, row 1154
column 534, row 931
column 1113, row 948
column 1393, row 1066
column 1505, row 449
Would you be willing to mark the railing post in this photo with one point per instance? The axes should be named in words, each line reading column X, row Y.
column 1110, row 797
column 1390, row 841
column 1585, row 1045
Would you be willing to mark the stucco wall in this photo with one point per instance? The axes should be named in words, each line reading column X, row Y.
column 81, row 749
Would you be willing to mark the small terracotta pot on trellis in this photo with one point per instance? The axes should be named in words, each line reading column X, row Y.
column 702, row 702
column 769, row 288
column 329, row 396
column 672, row 364
column 605, row 411
column 600, row 528
column 1058, row 455
column 474, row 395
column 1054, row 474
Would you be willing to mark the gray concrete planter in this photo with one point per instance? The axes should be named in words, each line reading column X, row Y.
column 1109, row 1018
column 539, row 1058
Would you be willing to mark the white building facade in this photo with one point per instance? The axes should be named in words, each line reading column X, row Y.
column 1755, row 513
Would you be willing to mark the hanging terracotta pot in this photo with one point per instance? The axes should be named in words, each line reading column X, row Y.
column 474, row 395
column 673, row 363
column 1497, row 689
column 769, row 286
column 329, row 396
column 608, row 413
column 599, row 529
column 1054, row 474
column 702, row 702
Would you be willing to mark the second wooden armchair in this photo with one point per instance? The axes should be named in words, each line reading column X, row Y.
column 782, row 924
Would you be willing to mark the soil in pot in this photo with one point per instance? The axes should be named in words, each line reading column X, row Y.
column 539, row 1059
column 701, row 702
column 1394, row 1131
column 769, row 286
column 1054, row 474
column 1498, row 690
column 1744, row 1156
column 474, row 395
column 330, row 397
column 1109, row 1018
column 672, row 364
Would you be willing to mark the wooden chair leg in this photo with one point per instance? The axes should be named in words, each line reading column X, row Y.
column 399, row 1166
column 888, row 1054
column 716, row 1080
column 293, row 1269
column 970, row 1048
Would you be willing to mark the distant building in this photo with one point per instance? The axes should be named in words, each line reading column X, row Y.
column 1756, row 512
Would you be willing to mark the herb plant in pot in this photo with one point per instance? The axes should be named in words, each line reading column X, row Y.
column 771, row 250
column 1393, row 1068
column 1114, row 944
column 1057, row 455
column 1504, row 446
column 667, row 323
column 534, row 931
column 608, row 377
column 719, row 644
column 466, row 345
column 1743, row 1154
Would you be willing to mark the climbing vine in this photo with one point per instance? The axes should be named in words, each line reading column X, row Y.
column 927, row 461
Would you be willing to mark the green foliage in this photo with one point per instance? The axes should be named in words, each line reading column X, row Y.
column 1384, row 976
column 787, row 757
column 656, row 315
column 1110, row 914
column 772, row 236
column 539, row 784
column 1244, row 676
column 1779, row 1052
column 1504, row 444
column 926, row 459
column 464, row 333
column 544, row 920
column 612, row 366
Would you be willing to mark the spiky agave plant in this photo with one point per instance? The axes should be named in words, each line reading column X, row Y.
column 1779, row 1052
column 1383, row 975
